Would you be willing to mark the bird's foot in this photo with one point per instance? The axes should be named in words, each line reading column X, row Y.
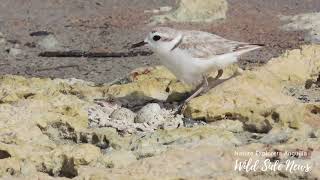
column 181, row 108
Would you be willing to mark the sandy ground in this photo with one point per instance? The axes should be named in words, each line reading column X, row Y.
column 112, row 25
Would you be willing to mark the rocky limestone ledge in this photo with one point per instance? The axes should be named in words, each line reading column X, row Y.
column 145, row 84
column 259, row 98
column 195, row 11
column 45, row 102
column 45, row 133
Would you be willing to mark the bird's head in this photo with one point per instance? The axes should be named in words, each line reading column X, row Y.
column 161, row 39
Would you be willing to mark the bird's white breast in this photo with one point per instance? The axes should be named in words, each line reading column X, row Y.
column 183, row 66
column 190, row 70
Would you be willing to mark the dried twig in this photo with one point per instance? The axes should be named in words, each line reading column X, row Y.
column 94, row 54
column 40, row 33
column 59, row 67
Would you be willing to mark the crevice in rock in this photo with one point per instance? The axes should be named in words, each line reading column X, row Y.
column 281, row 174
column 275, row 116
column 256, row 136
column 73, row 92
column 11, row 171
column 28, row 95
column 92, row 138
column 318, row 80
column 315, row 110
column 63, row 132
column 145, row 156
column 68, row 169
column 4, row 154
column 306, row 93
column 189, row 123
column 59, row 131
column 104, row 144
column 43, row 168
column 308, row 84
column 263, row 127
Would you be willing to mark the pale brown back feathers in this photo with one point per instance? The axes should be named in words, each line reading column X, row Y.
column 202, row 44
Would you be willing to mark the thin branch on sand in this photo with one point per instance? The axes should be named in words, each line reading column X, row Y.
column 94, row 54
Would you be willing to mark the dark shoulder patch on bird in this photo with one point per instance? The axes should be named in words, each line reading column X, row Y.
column 177, row 44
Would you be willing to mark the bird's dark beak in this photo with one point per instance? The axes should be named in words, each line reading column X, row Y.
column 142, row 43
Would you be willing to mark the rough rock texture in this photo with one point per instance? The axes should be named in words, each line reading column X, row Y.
column 206, row 160
column 147, row 84
column 35, row 115
column 47, row 129
column 309, row 22
column 148, row 119
column 258, row 98
column 196, row 11
column 65, row 101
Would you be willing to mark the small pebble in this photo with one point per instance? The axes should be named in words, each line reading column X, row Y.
column 123, row 114
column 49, row 43
column 15, row 51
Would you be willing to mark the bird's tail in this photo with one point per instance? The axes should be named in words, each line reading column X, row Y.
column 248, row 47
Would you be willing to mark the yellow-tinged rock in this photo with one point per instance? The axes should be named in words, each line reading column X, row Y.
column 46, row 111
column 144, row 89
column 105, row 138
column 45, row 101
column 178, row 91
column 157, row 72
column 44, row 128
column 155, row 83
column 83, row 154
column 9, row 166
column 196, row 11
column 257, row 91
column 68, row 158
column 153, row 144
column 14, row 88
column 36, row 115
column 120, row 159
column 150, row 83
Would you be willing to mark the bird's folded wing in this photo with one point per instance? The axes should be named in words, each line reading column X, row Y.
column 205, row 45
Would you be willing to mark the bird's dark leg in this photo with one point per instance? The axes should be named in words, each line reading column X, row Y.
column 203, row 87
column 213, row 82
column 197, row 91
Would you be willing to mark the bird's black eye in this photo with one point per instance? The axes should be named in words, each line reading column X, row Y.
column 156, row 38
